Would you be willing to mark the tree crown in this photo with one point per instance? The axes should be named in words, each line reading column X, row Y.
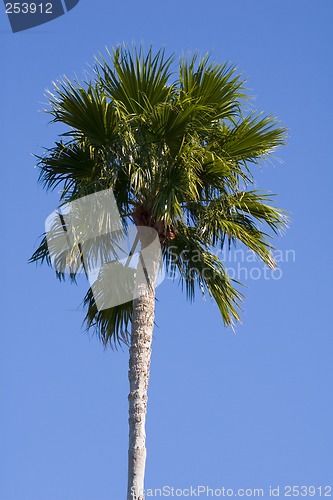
column 177, row 150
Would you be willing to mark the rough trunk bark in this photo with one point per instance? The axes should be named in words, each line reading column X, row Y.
column 139, row 368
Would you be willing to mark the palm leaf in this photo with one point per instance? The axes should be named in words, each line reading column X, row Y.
column 135, row 78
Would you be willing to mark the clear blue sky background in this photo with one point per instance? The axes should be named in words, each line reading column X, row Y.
column 243, row 410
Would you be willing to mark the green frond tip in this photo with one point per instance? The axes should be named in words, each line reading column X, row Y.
column 85, row 110
column 135, row 78
column 214, row 85
column 110, row 325
column 198, row 268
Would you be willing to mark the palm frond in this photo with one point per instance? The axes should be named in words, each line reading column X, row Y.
column 135, row 78
column 86, row 111
column 252, row 138
column 213, row 85
column 235, row 217
column 110, row 325
column 199, row 269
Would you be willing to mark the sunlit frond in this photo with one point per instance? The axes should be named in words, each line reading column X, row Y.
column 135, row 78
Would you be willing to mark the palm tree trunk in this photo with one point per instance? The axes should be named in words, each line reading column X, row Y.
column 139, row 369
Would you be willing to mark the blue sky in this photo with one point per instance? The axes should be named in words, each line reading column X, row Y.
column 244, row 410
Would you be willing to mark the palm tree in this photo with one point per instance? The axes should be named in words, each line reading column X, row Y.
column 176, row 150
